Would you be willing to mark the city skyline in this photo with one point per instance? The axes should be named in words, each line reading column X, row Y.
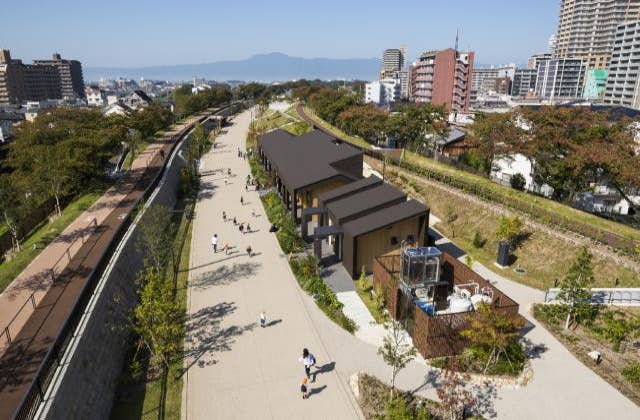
column 135, row 35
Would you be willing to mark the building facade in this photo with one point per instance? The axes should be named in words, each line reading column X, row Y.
column 382, row 92
column 595, row 83
column 524, row 82
column 586, row 29
column 483, row 80
column 71, row 79
column 42, row 80
column 532, row 63
column 443, row 78
column 622, row 87
column 560, row 78
column 393, row 60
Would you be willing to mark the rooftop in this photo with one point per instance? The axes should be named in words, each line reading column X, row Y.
column 384, row 217
column 365, row 201
column 307, row 159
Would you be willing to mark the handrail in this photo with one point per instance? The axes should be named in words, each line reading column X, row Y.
column 31, row 298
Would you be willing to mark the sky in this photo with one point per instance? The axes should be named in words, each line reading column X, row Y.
column 137, row 33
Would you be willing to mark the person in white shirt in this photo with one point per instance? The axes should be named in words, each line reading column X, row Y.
column 214, row 242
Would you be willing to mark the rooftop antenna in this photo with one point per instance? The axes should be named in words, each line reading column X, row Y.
column 456, row 46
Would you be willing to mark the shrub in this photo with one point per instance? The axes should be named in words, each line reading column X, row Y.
column 614, row 327
column 478, row 240
column 632, row 373
column 509, row 228
column 518, row 182
column 553, row 314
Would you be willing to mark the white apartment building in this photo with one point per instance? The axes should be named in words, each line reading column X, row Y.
column 560, row 78
column 502, row 169
column 622, row 86
column 586, row 28
column 382, row 92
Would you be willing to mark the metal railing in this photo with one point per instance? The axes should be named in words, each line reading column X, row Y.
column 6, row 331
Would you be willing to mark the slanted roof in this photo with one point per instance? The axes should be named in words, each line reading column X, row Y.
column 384, row 217
column 306, row 159
column 365, row 201
column 350, row 188
column 142, row 95
column 454, row 135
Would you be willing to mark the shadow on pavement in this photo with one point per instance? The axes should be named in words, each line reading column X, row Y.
column 205, row 336
column 317, row 390
column 225, row 274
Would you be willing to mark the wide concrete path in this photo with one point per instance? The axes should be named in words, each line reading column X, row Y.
column 238, row 370
column 235, row 368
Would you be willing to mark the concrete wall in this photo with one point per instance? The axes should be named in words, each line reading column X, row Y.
column 85, row 384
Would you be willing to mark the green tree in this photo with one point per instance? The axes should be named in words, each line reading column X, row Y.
column 396, row 350
column 13, row 207
column 158, row 319
column 366, row 121
column 574, row 287
column 491, row 136
column 492, row 332
column 157, row 231
column 509, row 228
column 418, row 126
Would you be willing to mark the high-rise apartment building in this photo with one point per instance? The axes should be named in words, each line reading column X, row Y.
column 524, row 82
column 532, row 63
column 623, row 81
column 586, row 28
column 443, row 78
column 560, row 78
column 392, row 62
column 71, row 80
column 595, row 83
column 26, row 82
column 44, row 79
column 483, row 79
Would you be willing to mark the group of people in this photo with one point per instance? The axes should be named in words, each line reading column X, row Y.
column 241, row 227
column 308, row 360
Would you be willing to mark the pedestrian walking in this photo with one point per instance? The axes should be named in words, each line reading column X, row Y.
column 224, row 216
column 253, row 212
column 248, row 228
column 241, row 200
column 229, row 171
column 263, row 319
column 226, row 181
column 304, row 389
column 246, row 187
column 214, row 242
column 235, row 222
column 226, row 249
column 307, row 360
column 249, row 251
column 241, row 227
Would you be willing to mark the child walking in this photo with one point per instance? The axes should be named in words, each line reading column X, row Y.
column 263, row 319
column 303, row 388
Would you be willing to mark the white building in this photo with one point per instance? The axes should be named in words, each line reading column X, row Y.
column 117, row 109
column 502, row 169
column 95, row 96
column 136, row 100
column 382, row 92
column 604, row 199
column 623, row 83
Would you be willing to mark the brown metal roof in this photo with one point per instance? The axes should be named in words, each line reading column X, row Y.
column 306, row 159
column 384, row 217
column 364, row 202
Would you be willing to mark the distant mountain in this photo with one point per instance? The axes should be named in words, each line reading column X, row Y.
column 262, row 67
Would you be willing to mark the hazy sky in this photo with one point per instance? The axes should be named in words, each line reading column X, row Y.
column 155, row 32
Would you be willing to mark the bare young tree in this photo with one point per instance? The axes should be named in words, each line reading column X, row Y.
column 396, row 350
column 454, row 396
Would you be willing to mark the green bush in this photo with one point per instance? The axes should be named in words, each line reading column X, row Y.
column 306, row 272
column 287, row 234
column 399, row 409
column 632, row 373
column 478, row 240
column 614, row 327
column 554, row 314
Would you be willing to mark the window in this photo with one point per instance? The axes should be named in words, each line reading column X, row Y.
column 394, row 240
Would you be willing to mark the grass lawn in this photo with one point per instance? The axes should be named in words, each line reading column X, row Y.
column 525, row 200
column 544, row 257
column 9, row 270
column 365, row 291
column 147, row 399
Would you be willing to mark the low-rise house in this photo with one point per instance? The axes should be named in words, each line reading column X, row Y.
column 453, row 143
column 504, row 168
column 606, row 200
column 136, row 100
column 7, row 121
column 117, row 109
column 95, row 96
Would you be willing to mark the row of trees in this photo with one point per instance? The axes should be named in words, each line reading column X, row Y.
column 190, row 103
column 569, row 147
column 415, row 126
column 64, row 152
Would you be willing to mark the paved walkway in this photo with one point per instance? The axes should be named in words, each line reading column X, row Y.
column 238, row 370
column 36, row 278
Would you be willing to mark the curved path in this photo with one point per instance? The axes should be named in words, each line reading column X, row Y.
column 238, row 370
